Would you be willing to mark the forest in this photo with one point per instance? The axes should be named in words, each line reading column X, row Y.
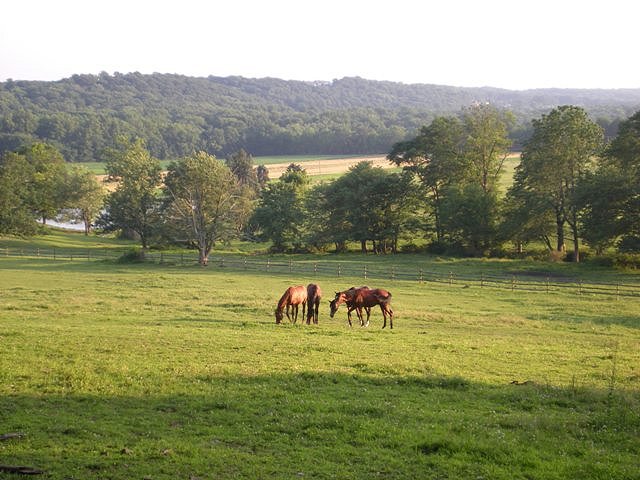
column 570, row 189
column 82, row 116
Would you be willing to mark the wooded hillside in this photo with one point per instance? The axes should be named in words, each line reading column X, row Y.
column 176, row 115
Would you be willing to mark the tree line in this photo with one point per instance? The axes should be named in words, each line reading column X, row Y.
column 84, row 115
column 571, row 186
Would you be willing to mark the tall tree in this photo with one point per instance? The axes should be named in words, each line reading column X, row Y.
column 486, row 144
column 280, row 214
column 241, row 165
column 16, row 214
column 452, row 156
column 612, row 195
column 556, row 158
column 48, row 179
column 204, row 202
column 435, row 157
column 85, row 196
column 134, row 205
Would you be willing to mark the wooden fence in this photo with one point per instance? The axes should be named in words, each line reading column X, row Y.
column 534, row 282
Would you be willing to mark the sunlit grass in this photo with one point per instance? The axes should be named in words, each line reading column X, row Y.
column 149, row 371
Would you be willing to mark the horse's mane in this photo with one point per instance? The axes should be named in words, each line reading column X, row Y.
column 283, row 299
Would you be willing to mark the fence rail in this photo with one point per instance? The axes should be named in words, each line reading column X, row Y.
column 520, row 282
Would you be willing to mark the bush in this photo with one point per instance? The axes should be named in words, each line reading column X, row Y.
column 133, row 255
column 629, row 244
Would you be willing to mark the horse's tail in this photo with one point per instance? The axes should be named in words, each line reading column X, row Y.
column 384, row 298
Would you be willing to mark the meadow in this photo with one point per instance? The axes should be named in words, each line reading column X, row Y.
column 119, row 371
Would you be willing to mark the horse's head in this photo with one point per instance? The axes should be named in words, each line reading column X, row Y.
column 333, row 307
column 335, row 303
column 279, row 315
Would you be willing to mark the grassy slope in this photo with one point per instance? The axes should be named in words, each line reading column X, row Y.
column 147, row 371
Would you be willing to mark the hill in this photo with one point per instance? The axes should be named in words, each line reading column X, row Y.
column 176, row 114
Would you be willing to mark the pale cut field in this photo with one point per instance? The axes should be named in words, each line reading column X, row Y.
column 329, row 166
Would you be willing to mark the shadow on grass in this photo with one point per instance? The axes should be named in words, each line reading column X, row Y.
column 317, row 425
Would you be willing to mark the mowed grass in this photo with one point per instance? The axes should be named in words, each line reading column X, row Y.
column 147, row 371
column 99, row 168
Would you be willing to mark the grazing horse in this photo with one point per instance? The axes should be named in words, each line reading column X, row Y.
column 364, row 297
column 314, row 294
column 292, row 297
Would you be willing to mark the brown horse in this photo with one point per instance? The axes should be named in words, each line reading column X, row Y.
column 292, row 297
column 364, row 297
column 314, row 294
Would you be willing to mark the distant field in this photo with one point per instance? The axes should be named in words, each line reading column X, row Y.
column 324, row 167
column 99, row 167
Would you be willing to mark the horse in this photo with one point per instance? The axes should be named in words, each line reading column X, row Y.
column 292, row 297
column 314, row 294
column 364, row 297
column 350, row 306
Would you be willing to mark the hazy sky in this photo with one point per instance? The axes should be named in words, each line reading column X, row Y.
column 514, row 44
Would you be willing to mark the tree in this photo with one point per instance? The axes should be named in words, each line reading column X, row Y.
column 554, row 161
column 435, row 157
column 486, row 144
column 262, row 174
column 204, row 202
column 16, row 214
column 241, row 165
column 452, row 156
column 85, row 195
column 280, row 214
column 134, row 205
column 48, row 180
column 366, row 204
column 615, row 215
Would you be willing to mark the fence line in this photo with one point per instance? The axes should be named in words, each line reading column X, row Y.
column 520, row 282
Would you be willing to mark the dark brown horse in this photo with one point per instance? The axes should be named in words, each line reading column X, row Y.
column 293, row 297
column 314, row 294
column 364, row 297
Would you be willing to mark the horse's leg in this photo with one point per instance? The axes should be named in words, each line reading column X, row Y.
column 289, row 316
column 295, row 313
column 360, row 316
column 349, row 309
column 386, row 310
column 368, row 310
column 316, row 310
column 308, row 307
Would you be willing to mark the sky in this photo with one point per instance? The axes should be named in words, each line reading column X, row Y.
column 513, row 44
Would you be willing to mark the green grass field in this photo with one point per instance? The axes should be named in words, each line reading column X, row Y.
column 150, row 371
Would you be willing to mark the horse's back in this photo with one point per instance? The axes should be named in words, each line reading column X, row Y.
column 298, row 294
column 314, row 293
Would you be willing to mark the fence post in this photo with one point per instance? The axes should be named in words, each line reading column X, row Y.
column 54, row 253
column 268, row 263
column 579, row 286
column 421, row 278
column 513, row 283
column 547, row 284
column 481, row 280
column 339, row 270
column 365, row 272
column 450, row 278
column 315, row 268
column 393, row 273
column 290, row 265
